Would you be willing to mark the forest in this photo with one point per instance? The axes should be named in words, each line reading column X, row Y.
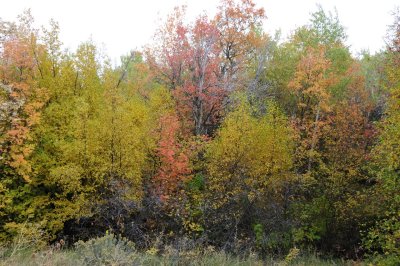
column 215, row 138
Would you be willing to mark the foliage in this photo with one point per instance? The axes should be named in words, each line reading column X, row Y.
column 384, row 236
column 249, row 153
column 215, row 134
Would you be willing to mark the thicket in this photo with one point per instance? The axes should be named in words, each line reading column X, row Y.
column 216, row 134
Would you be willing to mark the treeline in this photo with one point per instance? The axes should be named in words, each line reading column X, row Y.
column 217, row 132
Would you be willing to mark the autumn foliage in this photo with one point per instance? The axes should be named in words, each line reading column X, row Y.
column 174, row 167
column 215, row 133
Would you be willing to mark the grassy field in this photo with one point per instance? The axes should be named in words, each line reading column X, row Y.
column 69, row 257
column 111, row 250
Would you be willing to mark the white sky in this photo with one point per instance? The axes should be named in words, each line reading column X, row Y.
column 121, row 25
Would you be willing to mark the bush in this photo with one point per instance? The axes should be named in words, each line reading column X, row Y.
column 383, row 241
column 106, row 250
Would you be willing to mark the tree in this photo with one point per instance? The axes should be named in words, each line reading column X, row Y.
column 311, row 84
column 200, row 98
column 200, row 62
column 249, row 157
column 382, row 239
column 174, row 167
column 239, row 24
column 169, row 54
column 23, row 104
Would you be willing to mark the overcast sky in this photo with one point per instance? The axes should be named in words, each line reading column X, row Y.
column 122, row 25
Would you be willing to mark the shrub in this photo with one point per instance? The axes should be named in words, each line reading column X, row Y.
column 106, row 250
column 383, row 241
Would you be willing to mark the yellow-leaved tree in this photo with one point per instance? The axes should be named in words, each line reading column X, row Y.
column 250, row 157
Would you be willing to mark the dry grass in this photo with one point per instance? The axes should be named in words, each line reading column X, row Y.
column 110, row 250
